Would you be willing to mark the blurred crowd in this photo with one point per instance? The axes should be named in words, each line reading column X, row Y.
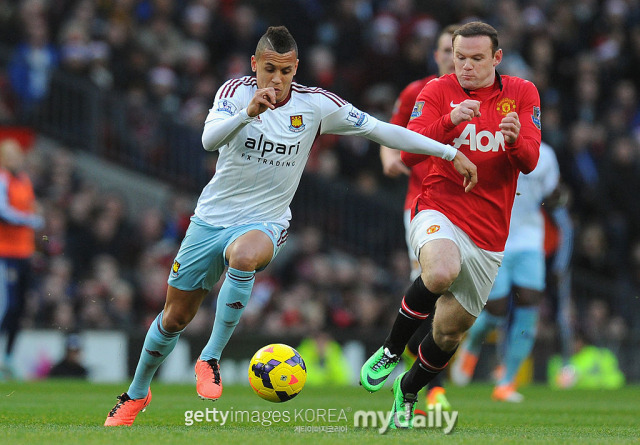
column 100, row 269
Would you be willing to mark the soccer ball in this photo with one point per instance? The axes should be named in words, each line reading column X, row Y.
column 277, row 373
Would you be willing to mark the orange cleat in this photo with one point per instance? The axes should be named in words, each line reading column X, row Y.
column 435, row 396
column 506, row 393
column 126, row 410
column 208, row 384
column 463, row 368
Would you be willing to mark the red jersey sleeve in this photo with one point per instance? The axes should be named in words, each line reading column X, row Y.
column 406, row 100
column 524, row 154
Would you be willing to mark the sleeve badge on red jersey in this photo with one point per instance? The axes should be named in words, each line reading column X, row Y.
column 535, row 117
column 417, row 110
column 506, row 106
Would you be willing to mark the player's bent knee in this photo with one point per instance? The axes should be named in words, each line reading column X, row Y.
column 174, row 323
column 249, row 260
column 439, row 280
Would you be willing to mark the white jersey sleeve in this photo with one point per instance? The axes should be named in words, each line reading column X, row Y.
column 526, row 230
column 348, row 120
column 228, row 114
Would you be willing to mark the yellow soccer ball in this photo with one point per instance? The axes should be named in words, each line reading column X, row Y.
column 277, row 373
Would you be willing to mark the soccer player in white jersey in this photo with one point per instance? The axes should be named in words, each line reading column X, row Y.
column 263, row 128
column 523, row 273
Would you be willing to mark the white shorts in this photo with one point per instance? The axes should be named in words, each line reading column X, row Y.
column 413, row 259
column 478, row 267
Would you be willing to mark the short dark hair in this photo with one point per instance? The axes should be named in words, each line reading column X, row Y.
column 278, row 39
column 473, row 29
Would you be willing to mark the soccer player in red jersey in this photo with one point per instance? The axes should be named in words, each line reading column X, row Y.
column 459, row 237
column 393, row 166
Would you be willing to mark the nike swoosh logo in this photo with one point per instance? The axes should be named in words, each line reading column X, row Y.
column 453, row 105
column 376, row 381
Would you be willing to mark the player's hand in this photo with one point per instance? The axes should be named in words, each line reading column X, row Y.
column 262, row 100
column 467, row 169
column 510, row 127
column 392, row 165
column 465, row 111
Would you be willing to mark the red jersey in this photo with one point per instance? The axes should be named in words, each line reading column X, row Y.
column 17, row 241
column 401, row 115
column 484, row 213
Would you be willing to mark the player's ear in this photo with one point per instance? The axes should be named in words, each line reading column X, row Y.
column 295, row 68
column 254, row 64
column 497, row 57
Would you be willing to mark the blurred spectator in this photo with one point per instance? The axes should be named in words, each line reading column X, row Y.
column 326, row 364
column 590, row 367
column 18, row 222
column 70, row 365
column 32, row 65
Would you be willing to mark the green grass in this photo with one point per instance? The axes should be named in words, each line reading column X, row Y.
column 60, row 412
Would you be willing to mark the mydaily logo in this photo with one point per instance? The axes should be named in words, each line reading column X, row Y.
column 434, row 418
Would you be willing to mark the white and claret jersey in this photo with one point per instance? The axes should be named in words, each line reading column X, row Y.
column 261, row 159
column 527, row 222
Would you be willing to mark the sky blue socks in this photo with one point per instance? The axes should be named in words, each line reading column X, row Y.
column 158, row 344
column 232, row 299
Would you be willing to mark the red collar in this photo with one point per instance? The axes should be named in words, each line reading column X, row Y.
column 284, row 102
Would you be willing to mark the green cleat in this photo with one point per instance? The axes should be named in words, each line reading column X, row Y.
column 404, row 406
column 375, row 371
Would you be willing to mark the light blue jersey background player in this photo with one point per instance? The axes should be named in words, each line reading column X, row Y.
column 522, row 275
column 263, row 128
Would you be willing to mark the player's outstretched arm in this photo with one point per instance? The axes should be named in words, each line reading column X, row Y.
column 467, row 169
column 399, row 138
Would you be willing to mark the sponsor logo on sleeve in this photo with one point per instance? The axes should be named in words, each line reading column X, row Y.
column 297, row 125
column 535, row 117
column 356, row 117
column 417, row 110
column 226, row 107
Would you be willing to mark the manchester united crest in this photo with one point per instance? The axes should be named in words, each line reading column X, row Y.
column 297, row 124
column 506, row 106
column 433, row 229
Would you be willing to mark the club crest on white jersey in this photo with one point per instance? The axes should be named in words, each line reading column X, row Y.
column 297, row 124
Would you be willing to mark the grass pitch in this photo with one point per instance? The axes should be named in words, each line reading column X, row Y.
column 65, row 412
